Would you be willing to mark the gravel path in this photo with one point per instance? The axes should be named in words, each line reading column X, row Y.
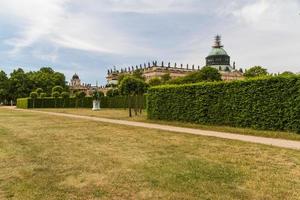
column 246, row 138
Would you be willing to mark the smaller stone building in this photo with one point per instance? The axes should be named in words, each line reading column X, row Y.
column 76, row 86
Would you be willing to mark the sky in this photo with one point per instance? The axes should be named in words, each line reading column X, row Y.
column 89, row 37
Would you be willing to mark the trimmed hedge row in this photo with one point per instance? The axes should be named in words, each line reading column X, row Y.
column 50, row 102
column 87, row 102
column 271, row 103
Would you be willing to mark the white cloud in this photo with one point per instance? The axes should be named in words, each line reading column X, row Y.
column 270, row 15
column 51, row 20
column 266, row 32
column 36, row 17
column 261, row 32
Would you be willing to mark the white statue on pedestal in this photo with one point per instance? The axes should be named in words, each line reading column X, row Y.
column 96, row 105
column 97, row 98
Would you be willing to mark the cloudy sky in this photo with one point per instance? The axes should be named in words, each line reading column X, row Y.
column 91, row 36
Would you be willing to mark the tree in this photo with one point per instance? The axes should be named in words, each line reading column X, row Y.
column 287, row 73
column 55, row 95
column 205, row 74
column 132, row 87
column 65, row 96
column 39, row 91
column 19, row 85
column 166, row 77
column 2, row 95
column 42, row 96
column 255, row 71
column 3, row 87
column 112, row 93
column 46, row 78
column 178, row 81
column 121, row 77
column 80, row 96
column 155, row 81
column 138, row 73
column 210, row 74
column 58, row 89
column 33, row 96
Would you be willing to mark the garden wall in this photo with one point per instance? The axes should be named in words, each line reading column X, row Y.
column 271, row 103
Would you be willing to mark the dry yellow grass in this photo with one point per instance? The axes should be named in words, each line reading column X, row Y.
column 49, row 157
column 123, row 115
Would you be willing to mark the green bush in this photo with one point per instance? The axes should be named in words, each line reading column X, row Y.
column 112, row 93
column 49, row 102
column 22, row 103
column 207, row 74
column 271, row 103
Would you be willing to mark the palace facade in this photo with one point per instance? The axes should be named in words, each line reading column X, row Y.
column 75, row 85
column 217, row 58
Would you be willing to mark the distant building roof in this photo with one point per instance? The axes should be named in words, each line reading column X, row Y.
column 75, row 76
column 218, row 56
column 217, row 51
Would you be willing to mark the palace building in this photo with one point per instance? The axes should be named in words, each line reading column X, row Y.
column 75, row 85
column 217, row 58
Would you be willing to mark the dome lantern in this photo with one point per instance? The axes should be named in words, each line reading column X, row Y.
column 218, row 57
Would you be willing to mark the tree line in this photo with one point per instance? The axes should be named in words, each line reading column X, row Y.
column 20, row 84
column 40, row 83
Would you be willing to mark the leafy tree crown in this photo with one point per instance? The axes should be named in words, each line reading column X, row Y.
column 256, row 71
column 133, row 86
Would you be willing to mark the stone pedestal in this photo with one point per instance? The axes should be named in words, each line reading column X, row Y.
column 96, row 105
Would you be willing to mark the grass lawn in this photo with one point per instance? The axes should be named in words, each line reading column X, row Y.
column 50, row 157
column 123, row 115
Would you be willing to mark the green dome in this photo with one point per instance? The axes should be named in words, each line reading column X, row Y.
column 217, row 51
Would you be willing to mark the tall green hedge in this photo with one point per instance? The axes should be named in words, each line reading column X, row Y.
column 49, row 102
column 271, row 103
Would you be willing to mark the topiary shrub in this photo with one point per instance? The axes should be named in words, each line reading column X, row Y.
column 55, row 95
column 133, row 88
column 33, row 96
column 65, row 96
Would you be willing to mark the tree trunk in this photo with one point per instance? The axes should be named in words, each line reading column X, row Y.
column 135, row 105
column 141, row 102
column 129, row 106
column 125, row 103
